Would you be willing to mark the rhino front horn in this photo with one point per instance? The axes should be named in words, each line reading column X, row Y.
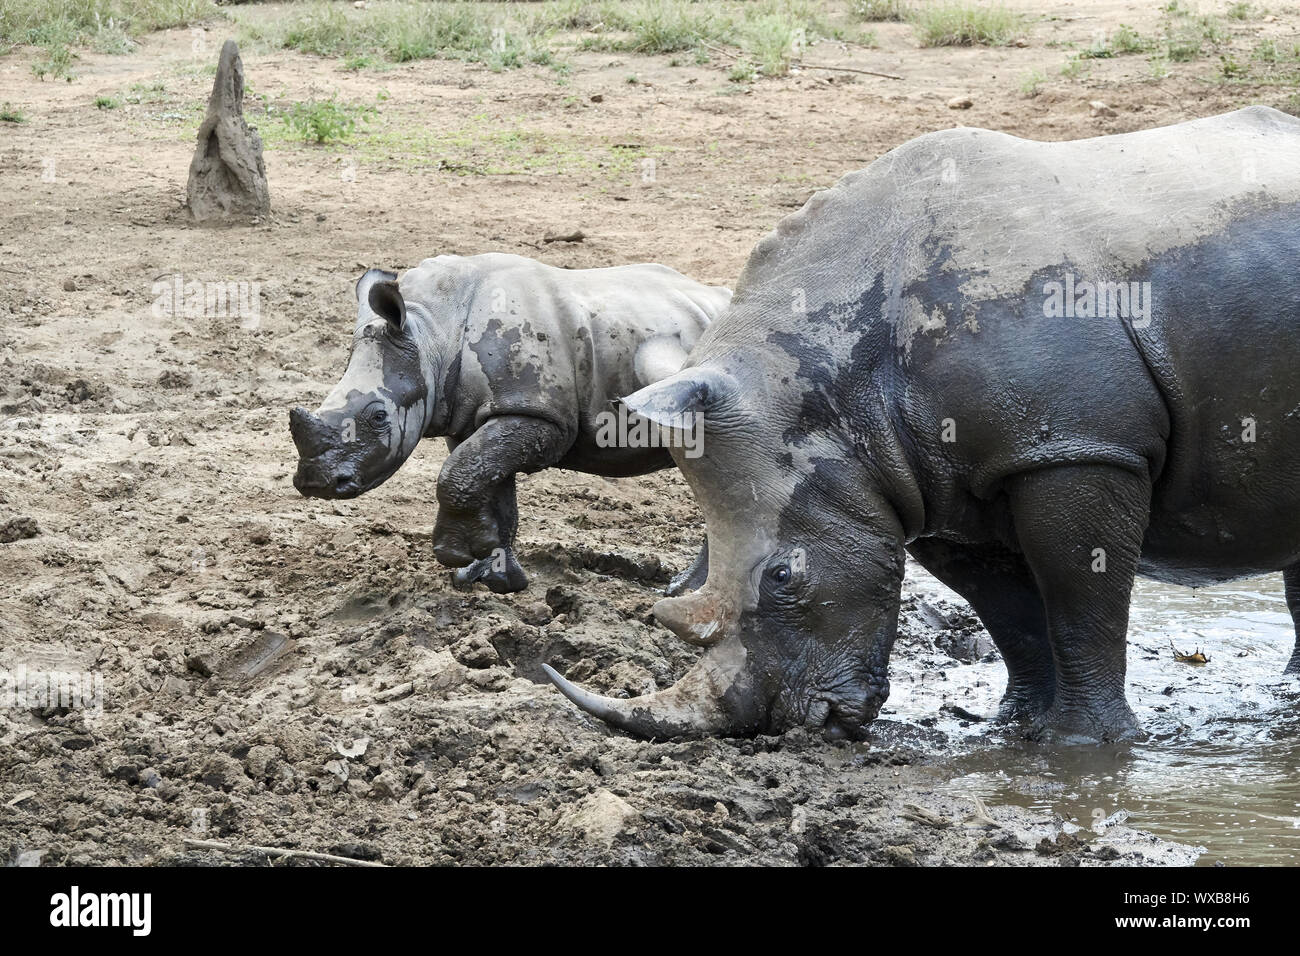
column 703, row 703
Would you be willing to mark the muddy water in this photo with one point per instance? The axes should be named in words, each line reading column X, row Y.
column 1221, row 768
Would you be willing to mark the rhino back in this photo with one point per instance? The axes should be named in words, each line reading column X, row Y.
column 554, row 343
column 915, row 290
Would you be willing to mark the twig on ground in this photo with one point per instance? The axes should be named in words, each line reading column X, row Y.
column 280, row 852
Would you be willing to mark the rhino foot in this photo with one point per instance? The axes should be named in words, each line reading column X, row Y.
column 1024, row 703
column 1294, row 666
column 461, row 538
column 501, row 573
column 1104, row 723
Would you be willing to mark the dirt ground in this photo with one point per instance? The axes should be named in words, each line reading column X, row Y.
column 291, row 673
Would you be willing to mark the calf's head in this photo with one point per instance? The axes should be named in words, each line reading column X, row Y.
column 805, row 563
column 370, row 423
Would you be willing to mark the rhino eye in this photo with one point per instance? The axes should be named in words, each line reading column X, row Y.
column 378, row 417
column 780, row 574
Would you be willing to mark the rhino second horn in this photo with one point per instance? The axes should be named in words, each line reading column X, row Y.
column 690, row 708
column 695, row 618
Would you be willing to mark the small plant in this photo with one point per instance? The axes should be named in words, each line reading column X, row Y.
column 742, row 71
column 1159, row 67
column 1239, row 11
column 1127, row 40
column 325, row 121
column 106, row 103
column 56, row 63
column 964, row 24
column 878, row 10
column 11, row 114
column 1032, row 83
column 1230, row 69
column 1074, row 67
column 631, row 80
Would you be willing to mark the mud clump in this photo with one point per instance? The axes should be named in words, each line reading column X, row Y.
column 227, row 175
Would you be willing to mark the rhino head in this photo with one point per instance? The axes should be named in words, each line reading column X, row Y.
column 800, row 608
column 387, row 399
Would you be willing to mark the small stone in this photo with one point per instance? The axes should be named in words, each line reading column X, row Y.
column 18, row 529
column 565, row 234
column 960, row 103
column 1101, row 109
column 538, row 613
column 69, row 285
column 598, row 97
column 222, row 772
column 389, row 785
column 600, row 817
column 900, row 856
column 475, row 651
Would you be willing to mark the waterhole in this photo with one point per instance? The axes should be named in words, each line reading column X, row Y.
column 1221, row 766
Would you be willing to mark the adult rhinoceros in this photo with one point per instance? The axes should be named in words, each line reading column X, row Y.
column 1038, row 368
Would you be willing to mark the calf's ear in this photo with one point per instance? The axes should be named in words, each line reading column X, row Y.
column 387, row 302
column 364, row 312
column 691, row 391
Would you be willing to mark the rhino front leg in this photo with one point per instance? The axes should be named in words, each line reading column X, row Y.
column 1081, row 530
column 999, row 586
column 477, row 514
column 500, row 571
column 1291, row 580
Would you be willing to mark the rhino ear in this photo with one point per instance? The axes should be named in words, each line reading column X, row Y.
column 364, row 312
column 690, row 391
column 386, row 301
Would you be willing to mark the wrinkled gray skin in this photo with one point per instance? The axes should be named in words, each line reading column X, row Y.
column 510, row 360
column 924, row 402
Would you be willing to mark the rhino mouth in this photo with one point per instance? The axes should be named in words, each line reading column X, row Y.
column 841, row 713
column 314, row 482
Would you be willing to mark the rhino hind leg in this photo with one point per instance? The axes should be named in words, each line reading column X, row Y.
column 1080, row 528
column 1291, row 579
column 693, row 578
column 999, row 586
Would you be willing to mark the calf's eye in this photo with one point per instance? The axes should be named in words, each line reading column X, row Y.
column 780, row 574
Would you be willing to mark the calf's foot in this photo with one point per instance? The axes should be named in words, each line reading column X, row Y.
column 462, row 537
column 501, row 572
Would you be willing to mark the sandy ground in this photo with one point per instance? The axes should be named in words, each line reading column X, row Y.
column 292, row 673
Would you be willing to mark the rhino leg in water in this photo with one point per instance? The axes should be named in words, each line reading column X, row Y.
column 693, row 578
column 1081, row 529
column 998, row 584
column 477, row 517
column 501, row 571
column 1291, row 579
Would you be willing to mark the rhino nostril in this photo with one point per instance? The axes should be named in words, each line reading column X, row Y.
column 344, row 481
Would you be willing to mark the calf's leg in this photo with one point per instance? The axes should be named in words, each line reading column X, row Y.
column 500, row 570
column 477, row 517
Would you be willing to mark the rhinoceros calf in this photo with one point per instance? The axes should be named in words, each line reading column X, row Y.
column 518, row 364
column 1040, row 369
